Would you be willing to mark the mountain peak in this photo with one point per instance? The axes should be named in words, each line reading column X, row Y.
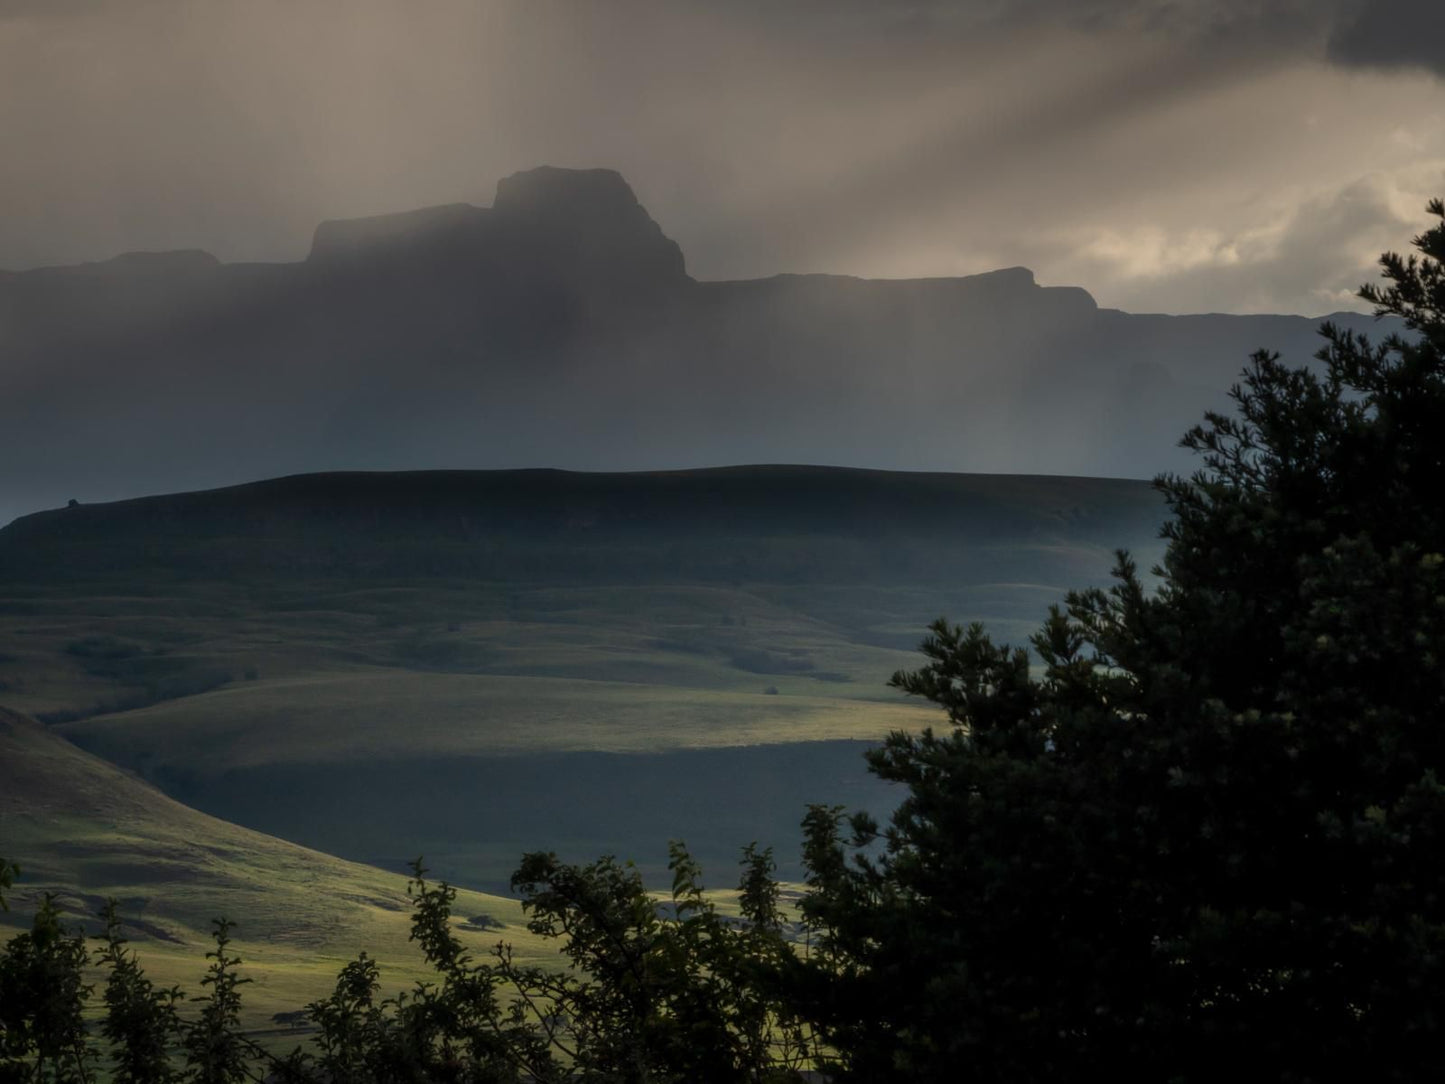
column 553, row 190
column 559, row 223
column 1012, row 276
column 589, row 217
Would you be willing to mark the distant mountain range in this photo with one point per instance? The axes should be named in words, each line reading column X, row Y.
column 559, row 327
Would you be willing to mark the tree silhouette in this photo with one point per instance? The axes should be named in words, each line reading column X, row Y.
column 141, row 1023
column 42, row 998
column 8, row 872
column 1206, row 833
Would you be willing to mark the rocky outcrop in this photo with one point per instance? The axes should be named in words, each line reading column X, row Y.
column 560, row 225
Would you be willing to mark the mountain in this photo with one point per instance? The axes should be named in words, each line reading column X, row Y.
column 558, row 327
column 719, row 524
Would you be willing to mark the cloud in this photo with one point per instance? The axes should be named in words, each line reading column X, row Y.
column 1391, row 34
column 908, row 138
column 1352, row 33
column 1231, row 24
column 31, row 9
column 41, row 11
column 1311, row 259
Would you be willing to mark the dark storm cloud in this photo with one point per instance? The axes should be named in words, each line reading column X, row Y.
column 1370, row 33
column 1360, row 33
column 1392, row 34
column 1218, row 20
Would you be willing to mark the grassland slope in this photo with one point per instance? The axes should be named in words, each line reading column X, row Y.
column 85, row 830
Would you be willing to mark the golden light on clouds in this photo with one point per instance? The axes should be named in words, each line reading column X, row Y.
column 1137, row 149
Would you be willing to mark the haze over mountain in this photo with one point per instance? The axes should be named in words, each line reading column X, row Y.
column 559, row 327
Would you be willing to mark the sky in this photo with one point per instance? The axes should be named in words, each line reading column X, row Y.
column 1167, row 155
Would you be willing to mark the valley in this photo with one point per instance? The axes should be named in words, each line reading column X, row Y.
column 468, row 665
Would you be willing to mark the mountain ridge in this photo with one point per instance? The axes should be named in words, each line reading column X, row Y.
column 495, row 522
column 559, row 327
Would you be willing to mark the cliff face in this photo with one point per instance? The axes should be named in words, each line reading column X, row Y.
column 583, row 227
column 559, row 327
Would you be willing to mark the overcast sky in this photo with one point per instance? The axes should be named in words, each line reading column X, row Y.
column 1168, row 155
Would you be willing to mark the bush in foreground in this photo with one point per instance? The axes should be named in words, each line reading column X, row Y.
column 686, row 995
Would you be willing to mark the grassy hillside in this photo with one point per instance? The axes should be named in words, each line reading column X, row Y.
column 86, row 830
column 721, row 579
column 288, row 636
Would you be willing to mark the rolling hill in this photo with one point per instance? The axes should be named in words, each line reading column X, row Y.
column 474, row 664
column 86, row 830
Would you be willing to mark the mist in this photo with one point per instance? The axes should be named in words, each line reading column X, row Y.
column 559, row 327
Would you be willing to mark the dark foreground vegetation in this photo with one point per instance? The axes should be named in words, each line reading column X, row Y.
column 1203, row 838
